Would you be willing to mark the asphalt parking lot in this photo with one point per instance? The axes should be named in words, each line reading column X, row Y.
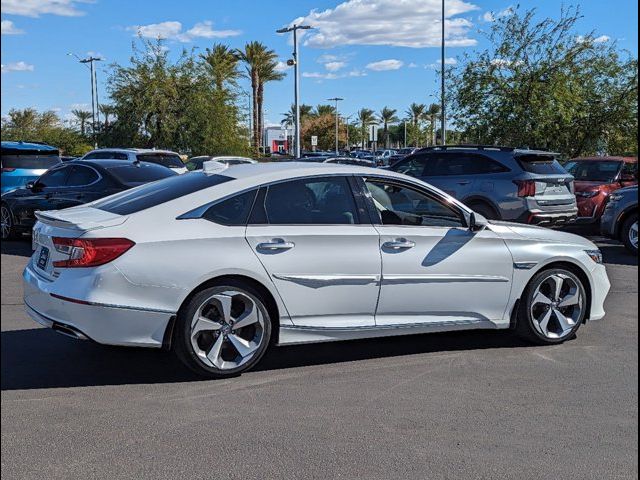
column 463, row 405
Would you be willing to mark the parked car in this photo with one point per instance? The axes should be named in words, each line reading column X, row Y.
column 401, row 153
column 166, row 158
column 24, row 162
column 501, row 183
column 195, row 163
column 351, row 161
column 620, row 218
column 71, row 184
column 383, row 156
column 596, row 178
column 221, row 266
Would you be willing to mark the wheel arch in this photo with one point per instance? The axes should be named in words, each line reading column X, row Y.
column 477, row 199
column 623, row 217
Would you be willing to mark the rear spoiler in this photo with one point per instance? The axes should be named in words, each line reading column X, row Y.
column 81, row 218
column 51, row 219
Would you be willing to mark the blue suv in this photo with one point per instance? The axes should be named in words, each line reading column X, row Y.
column 24, row 162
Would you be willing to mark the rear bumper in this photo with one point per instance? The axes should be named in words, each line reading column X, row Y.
column 107, row 324
column 549, row 219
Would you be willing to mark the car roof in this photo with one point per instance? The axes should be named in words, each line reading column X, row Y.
column 108, row 163
column 28, row 146
column 605, row 158
column 132, row 150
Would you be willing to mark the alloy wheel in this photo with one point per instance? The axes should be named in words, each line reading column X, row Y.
column 633, row 235
column 227, row 330
column 557, row 306
column 6, row 222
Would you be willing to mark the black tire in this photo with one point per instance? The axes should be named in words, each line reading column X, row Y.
column 624, row 233
column 525, row 323
column 486, row 210
column 184, row 348
column 8, row 231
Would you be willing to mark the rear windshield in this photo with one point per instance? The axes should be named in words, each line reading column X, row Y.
column 541, row 164
column 594, row 171
column 134, row 175
column 170, row 160
column 156, row 193
column 30, row 161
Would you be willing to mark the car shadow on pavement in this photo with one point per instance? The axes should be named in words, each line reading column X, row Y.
column 20, row 248
column 40, row 358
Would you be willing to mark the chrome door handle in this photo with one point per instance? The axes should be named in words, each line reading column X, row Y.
column 464, row 182
column 399, row 244
column 276, row 244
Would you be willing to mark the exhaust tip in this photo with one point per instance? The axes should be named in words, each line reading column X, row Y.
column 69, row 331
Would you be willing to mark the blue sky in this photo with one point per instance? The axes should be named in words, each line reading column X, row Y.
column 373, row 53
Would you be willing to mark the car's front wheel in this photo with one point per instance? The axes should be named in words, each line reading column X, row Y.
column 552, row 308
column 8, row 230
column 630, row 234
column 223, row 330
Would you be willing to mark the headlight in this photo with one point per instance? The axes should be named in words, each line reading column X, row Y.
column 615, row 197
column 595, row 255
column 587, row 194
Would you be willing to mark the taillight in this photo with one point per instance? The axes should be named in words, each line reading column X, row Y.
column 526, row 188
column 90, row 252
column 8, row 169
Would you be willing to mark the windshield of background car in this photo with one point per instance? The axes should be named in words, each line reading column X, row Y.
column 170, row 160
column 157, row 193
column 195, row 163
column 137, row 174
column 29, row 161
column 540, row 164
column 594, row 170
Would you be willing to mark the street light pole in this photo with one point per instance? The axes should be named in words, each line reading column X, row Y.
column 296, row 65
column 442, row 93
column 94, row 91
column 336, row 99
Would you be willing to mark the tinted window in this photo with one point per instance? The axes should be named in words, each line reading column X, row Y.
column 170, row 160
column 413, row 166
column 461, row 164
column 106, row 155
column 81, row 176
column 30, row 161
column 157, row 193
column 594, row 170
column 136, row 174
column 195, row 163
column 540, row 164
column 54, row 178
column 232, row 211
column 630, row 169
column 398, row 205
column 327, row 201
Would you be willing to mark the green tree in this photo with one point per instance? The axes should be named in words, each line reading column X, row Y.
column 415, row 113
column 366, row 117
column 221, row 63
column 540, row 84
column 387, row 116
column 431, row 114
column 289, row 117
column 321, row 110
column 82, row 117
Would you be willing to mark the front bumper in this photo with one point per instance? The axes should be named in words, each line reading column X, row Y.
column 600, row 286
column 104, row 323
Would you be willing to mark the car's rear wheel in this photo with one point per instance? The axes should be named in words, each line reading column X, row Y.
column 630, row 233
column 8, row 229
column 484, row 209
column 223, row 330
column 552, row 308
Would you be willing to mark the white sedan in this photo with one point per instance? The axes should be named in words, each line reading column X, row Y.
column 221, row 264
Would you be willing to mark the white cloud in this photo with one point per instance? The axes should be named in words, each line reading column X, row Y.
column 334, row 66
column 384, row 65
column 334, row 76
column 600, row 39
column 8, row 28
column 505, row 63
column 17, row 67
column 35, row 8
column 172, row 30
column 404, row 23
column 282, row 67
column 413, row 65
column 493, row 16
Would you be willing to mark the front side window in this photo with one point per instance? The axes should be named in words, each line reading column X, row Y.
column 81, row 176
column 400, row 205
column 232, row 211
column 54, row 178
column 413, row 166
column 319, row 201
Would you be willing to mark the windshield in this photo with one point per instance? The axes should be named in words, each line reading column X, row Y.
column 137, row 174
column 594, row 170
column 30, row 161
column 171, row 160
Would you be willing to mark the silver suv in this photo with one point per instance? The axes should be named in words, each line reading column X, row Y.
column 527, row 186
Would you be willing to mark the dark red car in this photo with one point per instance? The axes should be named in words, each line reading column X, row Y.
column 596, row 178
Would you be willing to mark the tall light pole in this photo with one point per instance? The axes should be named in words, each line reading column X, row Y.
column 442, row 93
column 94, row 91
column 296, row 64
column 336, row 99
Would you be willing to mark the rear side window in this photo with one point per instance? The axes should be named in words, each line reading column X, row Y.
column 81, row 176
column 540, row 164
column 460, row 164
column 232, row 211
column 106, row 155
column 134, row 175
column 318, row 201
column 29, row 161
column 157, row 193
column 170, row 160
column 413, row 166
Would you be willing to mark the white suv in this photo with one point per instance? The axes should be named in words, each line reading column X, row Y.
column 166, row 158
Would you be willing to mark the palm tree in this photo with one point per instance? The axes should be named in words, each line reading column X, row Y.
column 290, row 116
column 322, row 110
column 82, row 117
column 432, row 114
column 387, row 116
column 261, row 68
column 107, row 110
column 366, row 117
column 415, row 113
column 222, row 65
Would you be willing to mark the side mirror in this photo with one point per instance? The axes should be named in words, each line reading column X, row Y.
column 628, row 178
column 477, row 222
column 30, row 185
